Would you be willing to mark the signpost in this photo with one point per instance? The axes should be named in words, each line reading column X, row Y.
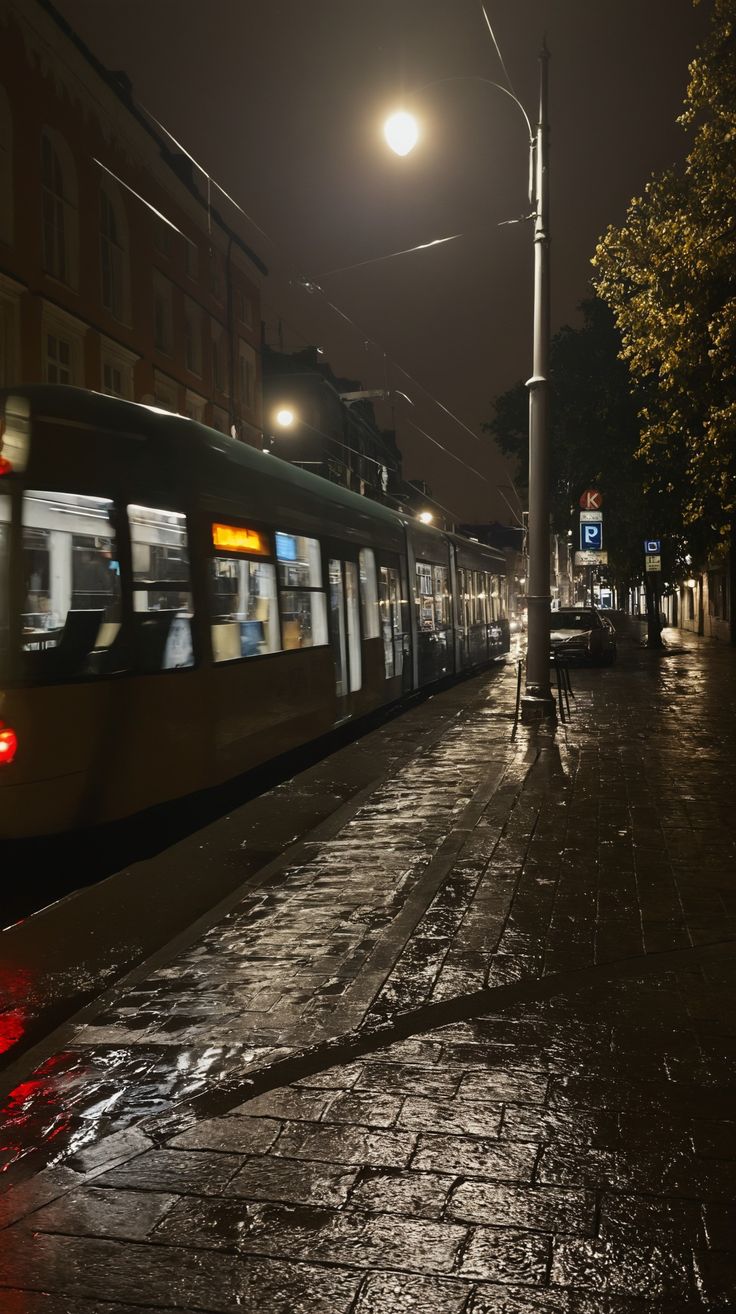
column 652, row 546
column 653, row 562
column 591, row 558
column 591, row 536
column 591, row 500
column 591, row 516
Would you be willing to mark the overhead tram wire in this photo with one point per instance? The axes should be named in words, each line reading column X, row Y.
column 313, row 287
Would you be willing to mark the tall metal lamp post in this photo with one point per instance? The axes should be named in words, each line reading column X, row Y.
column 401, row 133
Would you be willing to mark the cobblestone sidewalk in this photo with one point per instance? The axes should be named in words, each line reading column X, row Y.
column 569, row 1145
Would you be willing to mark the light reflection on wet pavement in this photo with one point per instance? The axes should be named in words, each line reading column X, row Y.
column 572, row 1150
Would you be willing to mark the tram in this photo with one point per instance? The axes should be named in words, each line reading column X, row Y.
column 177, row 608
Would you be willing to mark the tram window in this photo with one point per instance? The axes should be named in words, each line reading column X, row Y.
column 162, row 598
column 425, row 596
column 369, row 594
column 302, row 599
column 441, row 597
column 393, row 620
column 351, row 599
column 71, row 612
column 245, row 616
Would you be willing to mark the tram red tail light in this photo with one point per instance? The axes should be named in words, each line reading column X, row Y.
column 8, row 744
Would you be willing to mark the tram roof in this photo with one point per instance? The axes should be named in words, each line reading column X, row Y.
column 52, row 401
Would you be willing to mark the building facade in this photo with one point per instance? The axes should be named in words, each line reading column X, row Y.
column 330, row 431
column 116, row 272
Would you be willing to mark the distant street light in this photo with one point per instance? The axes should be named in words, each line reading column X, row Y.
column 285, row 417
column 402, row 133
column 426, row 517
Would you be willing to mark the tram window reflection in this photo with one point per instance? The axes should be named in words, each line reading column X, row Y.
column 369, row 594
column 71, row 612
column 302, row 598
column 162, row 598
column 245, row 617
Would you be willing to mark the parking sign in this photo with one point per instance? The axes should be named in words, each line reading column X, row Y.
column 591, row 536
column 652, row 546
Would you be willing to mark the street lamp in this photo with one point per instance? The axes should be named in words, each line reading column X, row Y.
column 537, row 702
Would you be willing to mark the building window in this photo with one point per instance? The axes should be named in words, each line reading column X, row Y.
column 9, row 336
column 192, row 336
column 59, row 207
column 165, row 391
column 217, row 279
column 59, row 362
column 163, row 314
column 117, row 369
column 114, row 252
column 194, row 406
column 6, row 169
column 245, row 308
column 247, row 374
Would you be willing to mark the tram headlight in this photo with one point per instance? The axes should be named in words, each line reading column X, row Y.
column 8, row 744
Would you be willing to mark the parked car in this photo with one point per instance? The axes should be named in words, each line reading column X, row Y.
column 584, row 634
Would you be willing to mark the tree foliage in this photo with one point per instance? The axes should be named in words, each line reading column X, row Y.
column 669, row 276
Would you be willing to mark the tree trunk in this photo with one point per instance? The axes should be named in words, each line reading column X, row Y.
column 654, row 619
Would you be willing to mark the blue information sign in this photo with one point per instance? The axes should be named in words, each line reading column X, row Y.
column 591, row 536
column 652, row 546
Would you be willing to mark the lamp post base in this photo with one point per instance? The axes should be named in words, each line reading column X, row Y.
column 536, row 707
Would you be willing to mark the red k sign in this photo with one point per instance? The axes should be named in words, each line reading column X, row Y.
column 591, row 500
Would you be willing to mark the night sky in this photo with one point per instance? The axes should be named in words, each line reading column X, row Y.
column 283, row 101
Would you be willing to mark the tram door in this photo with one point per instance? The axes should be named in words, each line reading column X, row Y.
column 345, row 629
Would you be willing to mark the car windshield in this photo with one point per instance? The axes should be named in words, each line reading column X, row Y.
column 574, row 620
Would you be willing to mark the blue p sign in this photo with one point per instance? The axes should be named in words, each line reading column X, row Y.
column 591, row 536
column 652, row 545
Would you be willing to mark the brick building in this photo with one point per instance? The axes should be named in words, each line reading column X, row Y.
column 116, row 273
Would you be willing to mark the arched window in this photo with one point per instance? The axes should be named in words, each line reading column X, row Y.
column 114, row 252
column 6, row 169
column 59, row 192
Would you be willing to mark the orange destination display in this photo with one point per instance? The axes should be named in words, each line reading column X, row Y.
column 236, row 538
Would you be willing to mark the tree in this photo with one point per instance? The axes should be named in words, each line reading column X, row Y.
column 594, row 438
column 669, row 276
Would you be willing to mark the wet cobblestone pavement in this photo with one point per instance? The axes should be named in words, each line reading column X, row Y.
column 471, row 1053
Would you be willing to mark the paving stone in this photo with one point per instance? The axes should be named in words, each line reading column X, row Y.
column 249, row 1136
column 391, row 1191
column 500, row 1204
column 521, row 1258
column 44, row 1302
column 293, row 1181
column 402, row 1293
column 409, row 1079
column 524, row 1087
column 476, row 1158
column 370, row 1110
column 348, row 1145
column 288, row 1102
column 652, row 1271
column 463, row 1117
column 134, row 1273
column 128, row 1215
column 487, row 1299
column 715, row 1274
column 199, row 1171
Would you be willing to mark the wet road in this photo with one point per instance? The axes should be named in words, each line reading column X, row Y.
column 473, row 1051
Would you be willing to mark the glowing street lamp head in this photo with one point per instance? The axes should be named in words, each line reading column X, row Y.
column 401, row 131
column 426, row 517
column 285, row 417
